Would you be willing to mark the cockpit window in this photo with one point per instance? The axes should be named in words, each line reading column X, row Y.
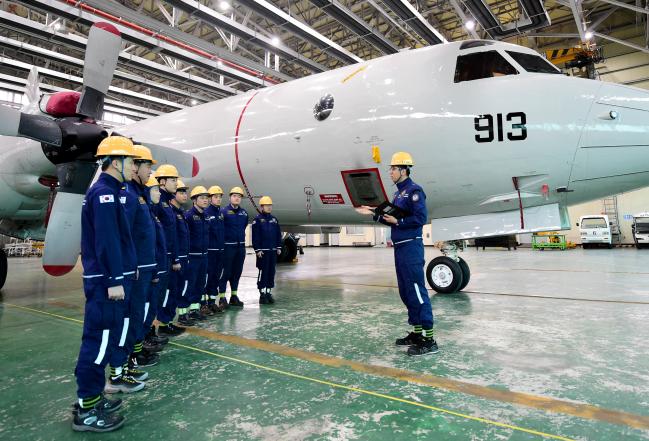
column 482, row 65
column 533, row 63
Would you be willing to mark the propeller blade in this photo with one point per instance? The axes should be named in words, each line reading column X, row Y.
column 102, row 51
column 63, row 235
column 37, row 127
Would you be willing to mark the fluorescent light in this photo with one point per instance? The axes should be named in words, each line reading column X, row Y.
column 588, row 35
column 224, row 6
column 470, row 25
column 275, row 41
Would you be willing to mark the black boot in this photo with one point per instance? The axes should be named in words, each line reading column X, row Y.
column 108, row 406
column 96, row 420
column 155, row 339
column 185, row 320
column 411, row 339
column 263, row 298
column 134, row 366
column 234, row 301
column 171, row 330
column 270, row 298
column 425, row 346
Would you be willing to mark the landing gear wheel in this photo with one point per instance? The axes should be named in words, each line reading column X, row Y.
column 444, row 275
column 3, row 268
column 466, row 274
column 289, row 249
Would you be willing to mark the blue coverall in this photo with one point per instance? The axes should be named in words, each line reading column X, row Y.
column 165, row 213
column 214, row 251
column 108, row 259
column 178, row 279
column 142, row 231
column 267, row 238
column 409, row 252
column 197, row 269
column 235, row 221
column 155, row 296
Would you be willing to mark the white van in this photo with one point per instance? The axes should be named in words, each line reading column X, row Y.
column 595, row 230
column 640, row 229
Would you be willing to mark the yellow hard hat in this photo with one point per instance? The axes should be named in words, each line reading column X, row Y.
column 199, row 191
column 152, row 182
column 266, row 200
column 215, row 189
column 166, row 171
column 237, row 190
column 181, row 185
column 144, row 154
column 115, row 146
column 402, row 158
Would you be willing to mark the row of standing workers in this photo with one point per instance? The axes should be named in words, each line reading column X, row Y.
column 145, row 258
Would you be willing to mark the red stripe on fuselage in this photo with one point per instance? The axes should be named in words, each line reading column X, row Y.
column 236, row 152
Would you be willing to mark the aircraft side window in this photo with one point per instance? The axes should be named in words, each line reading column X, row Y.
column 482, row 65
column 533, row 63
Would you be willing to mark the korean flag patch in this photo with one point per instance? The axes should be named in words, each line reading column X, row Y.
column 106, row 198
column 415, row 197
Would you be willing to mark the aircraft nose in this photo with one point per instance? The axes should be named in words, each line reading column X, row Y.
column 614, row 148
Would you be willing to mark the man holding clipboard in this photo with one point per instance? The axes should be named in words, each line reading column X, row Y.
column 406, row 215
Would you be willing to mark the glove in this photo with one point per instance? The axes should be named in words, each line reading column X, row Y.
column 260, row 254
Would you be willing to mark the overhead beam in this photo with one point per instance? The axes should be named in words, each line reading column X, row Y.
column 70, row 40
column 627, row 6
column 415, row 20
column 222, row 22
column 78, row 80
column 578, row 15
column 140, row 34
column 294, row 26
column 353, row 22
column 623, row 42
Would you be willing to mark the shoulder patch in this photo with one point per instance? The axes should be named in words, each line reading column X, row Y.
column 122, row 199
column 106, row 198
column 415, row 196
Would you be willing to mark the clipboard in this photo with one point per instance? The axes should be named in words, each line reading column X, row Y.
column 390, row 209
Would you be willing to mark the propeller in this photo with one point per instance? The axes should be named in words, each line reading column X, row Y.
column 71, row 143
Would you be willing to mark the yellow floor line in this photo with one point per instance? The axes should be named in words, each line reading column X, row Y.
column 332, row 384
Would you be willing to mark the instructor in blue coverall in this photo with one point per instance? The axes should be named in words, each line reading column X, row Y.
column 267, row 243
column 235, row 221
column 109, row 265
column 409, row 254
column 199, row 237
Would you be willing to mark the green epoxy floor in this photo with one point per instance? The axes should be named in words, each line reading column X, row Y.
column 570, row 325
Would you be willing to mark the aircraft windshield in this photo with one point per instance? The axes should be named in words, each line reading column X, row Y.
column 533, row 63
column 594, row 223
column 482, row 65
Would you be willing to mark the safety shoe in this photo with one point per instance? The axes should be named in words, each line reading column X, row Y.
column 123, row 383
column 223, row 304
column 133, row 370
column 263, row 299
column 425, row 346
column 206, row 311
column 234, row 301
column 108, row 406
column 216, row 309
column 156, row 339
column 411, row 339
column 151, row 347
column 145, row 359
column 186, row 320
column 270, row 298
column 196, row 315
column 96, row 420
column 171, row 330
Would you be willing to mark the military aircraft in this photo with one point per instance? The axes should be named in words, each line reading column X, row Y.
column 503, row 143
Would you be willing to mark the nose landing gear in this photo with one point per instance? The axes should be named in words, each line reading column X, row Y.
column 448, row 273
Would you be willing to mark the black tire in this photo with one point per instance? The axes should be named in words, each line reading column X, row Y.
column 447, row 272
column 610, row 246
column 466, row 274
column 289, row 250
column 3, row 268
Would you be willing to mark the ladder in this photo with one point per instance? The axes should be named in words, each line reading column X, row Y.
column 610, row 209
